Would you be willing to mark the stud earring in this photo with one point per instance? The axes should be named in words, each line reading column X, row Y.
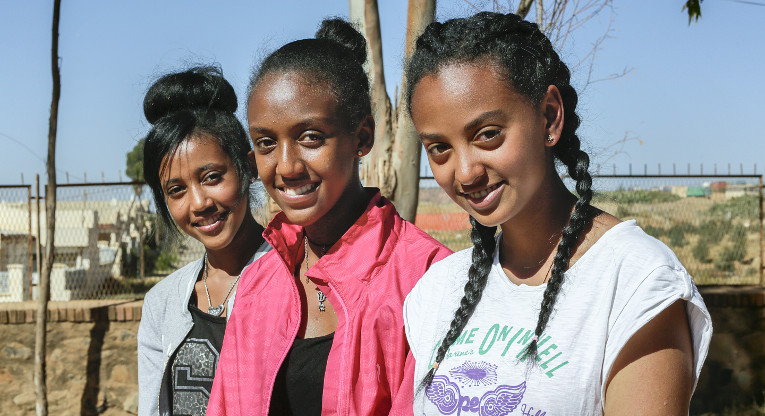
column 360, row 153
column 550, row 138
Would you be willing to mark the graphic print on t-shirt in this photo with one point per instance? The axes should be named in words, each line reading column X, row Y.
column 193, row 370
column 474, row 375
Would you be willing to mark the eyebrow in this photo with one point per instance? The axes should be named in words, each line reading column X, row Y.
column 202, row 168
column 482, row 119
column 301, row 124
column 469, row 127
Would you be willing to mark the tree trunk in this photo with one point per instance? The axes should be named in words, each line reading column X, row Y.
column 376, row 167
column 394, row 163
column 41, row 404
column 406, row 145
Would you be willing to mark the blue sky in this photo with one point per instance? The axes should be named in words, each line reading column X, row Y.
column 693, row 95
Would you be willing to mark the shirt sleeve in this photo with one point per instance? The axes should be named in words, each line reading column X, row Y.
column 637, row 305
column 150, row 362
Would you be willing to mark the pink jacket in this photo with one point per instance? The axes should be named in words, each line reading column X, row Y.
column 366, row 276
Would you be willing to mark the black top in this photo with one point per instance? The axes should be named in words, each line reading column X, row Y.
column 300, row 381
column 195, row 362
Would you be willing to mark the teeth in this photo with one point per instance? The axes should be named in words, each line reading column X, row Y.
column 483, row 193
column 211, row 220
column 301, row 190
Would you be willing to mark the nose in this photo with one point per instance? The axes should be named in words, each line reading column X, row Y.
column 469, row 169
column 289, row 162
column 199, row 199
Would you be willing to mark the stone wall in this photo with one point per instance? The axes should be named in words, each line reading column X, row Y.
column 91, row 366
column 733, row 378
column 92, row 356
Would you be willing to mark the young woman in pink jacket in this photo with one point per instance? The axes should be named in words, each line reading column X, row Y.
column 318, row 327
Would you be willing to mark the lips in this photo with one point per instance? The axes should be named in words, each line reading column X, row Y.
column 484, row 198
column 211, row 223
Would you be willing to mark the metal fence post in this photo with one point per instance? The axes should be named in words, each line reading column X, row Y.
column 30, row 244
column 762, row 237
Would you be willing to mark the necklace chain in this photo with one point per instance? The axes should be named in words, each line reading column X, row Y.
column 319, row 294
column 216, row 310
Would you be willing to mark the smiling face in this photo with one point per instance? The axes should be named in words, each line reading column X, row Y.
column 306, row 157
column 202, row 192
column 486, row 143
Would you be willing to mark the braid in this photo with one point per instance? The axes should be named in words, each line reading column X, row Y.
column 483, row 253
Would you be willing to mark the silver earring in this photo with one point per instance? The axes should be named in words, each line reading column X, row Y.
column 550, row 138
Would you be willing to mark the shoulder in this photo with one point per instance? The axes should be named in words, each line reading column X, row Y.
column 444, row 276
column 174, row 285
column 629, row 249
column 413, row 238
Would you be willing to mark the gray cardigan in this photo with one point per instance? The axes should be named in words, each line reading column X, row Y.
column 165, row 322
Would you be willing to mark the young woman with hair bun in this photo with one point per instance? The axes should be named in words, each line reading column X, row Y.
column 196, row 163
column 568, row 310
column 319, row 327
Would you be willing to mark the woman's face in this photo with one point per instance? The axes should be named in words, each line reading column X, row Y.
column 306, row 157
column 202, row 192
column 486, row 143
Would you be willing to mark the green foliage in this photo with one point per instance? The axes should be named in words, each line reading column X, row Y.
column 700, row 251
column 655, row 232
column 694, row 10
column 714, row 231
column 134, row 163
column 676, row 234
column 623, row 212
column 640, row 197
column 745, row 207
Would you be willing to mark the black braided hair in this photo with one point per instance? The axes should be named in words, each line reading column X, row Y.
column 524, row 56
column 181, row 105
column 334, row 58
column 484, row 245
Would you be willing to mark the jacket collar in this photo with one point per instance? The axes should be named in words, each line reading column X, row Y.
column 365, row 247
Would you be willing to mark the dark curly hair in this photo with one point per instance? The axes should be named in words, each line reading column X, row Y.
column 181, row 105
column 524, row 56
column 335, row 58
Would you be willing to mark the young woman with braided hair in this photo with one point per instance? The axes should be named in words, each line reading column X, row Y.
column 568, row 310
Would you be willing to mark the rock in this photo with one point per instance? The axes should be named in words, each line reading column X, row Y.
column 120, row 374
column 16, row 351
column 131, row 404
column 57, row 395
column 6, row 377
column 25, row 399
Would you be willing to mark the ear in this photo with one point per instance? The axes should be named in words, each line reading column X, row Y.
column 365, row 133
column 251, row 158
column 552, row 109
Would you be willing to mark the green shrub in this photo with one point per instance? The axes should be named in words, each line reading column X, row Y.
column 700, row 251
column 676, row 236
column 640, row 197
column 745, row 207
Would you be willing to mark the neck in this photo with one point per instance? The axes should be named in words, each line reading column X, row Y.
column 235, row 256
column 529, row 239
column 331, row 227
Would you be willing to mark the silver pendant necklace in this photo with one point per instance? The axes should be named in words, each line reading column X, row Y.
column 319, row 294
column 216, row 310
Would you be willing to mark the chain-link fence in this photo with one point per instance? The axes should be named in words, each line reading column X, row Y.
column 108, row 242
column 713, row 223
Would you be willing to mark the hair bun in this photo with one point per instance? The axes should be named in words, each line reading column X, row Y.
column 344, row 33
column 196, row 88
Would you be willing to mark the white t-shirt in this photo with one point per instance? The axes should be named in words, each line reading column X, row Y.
column 623, row 281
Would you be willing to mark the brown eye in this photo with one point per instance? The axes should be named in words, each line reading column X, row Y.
column 264, row 144
column 488, row 134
